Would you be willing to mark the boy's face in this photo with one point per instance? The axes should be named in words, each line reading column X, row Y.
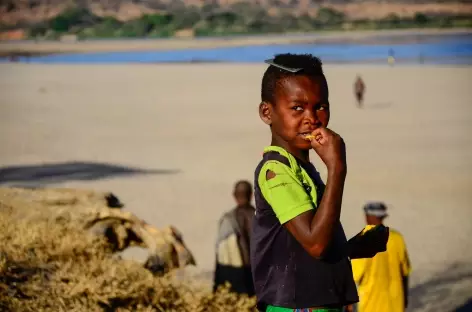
column 301, row 105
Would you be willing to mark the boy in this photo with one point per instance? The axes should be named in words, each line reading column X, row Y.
column 299, row 253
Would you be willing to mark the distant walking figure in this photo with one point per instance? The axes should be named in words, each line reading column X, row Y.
column 391, row 57
column 359, row 89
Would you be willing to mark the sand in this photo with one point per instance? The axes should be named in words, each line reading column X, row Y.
column 197, row 127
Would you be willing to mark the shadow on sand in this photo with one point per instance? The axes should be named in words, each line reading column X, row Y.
column 69, row 171
column 447, row 291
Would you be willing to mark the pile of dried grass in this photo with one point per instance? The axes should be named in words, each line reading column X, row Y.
column 49, row 266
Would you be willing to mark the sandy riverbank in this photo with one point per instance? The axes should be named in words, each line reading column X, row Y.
column 192, row 130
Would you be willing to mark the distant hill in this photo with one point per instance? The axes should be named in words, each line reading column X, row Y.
column 28, row 11
column 164, row 18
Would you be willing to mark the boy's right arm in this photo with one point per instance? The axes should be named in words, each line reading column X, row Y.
column 314, row 231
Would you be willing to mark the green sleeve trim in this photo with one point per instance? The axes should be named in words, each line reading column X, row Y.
column 285, row 193
column 294, row 212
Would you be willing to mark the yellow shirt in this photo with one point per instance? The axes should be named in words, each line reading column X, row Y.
column 379, row 279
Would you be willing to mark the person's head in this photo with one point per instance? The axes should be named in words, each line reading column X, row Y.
column 294, row 99
column 242, row 193
column 375, row 213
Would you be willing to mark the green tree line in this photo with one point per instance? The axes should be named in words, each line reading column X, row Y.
column 211, row 21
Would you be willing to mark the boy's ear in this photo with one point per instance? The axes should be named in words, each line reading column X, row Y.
column 265, row 112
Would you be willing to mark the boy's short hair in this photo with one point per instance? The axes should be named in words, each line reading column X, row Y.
column 308, row 64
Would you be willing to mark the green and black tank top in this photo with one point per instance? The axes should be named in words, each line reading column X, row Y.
column 284, row 274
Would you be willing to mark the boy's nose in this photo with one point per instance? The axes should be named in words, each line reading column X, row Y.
column 311, row 117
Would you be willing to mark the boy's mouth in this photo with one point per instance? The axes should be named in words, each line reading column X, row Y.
column 306, row 135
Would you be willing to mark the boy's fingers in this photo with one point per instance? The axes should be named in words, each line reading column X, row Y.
column 324, row 132
column 314, row 138
column 319, row 135
column 322, row 140
column 319, row 131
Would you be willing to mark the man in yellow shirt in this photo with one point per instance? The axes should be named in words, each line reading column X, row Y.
column 382, row 281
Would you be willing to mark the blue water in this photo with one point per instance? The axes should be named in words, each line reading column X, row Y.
column 449, row 49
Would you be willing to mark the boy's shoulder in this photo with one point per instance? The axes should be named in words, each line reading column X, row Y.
column 277, row 160
column 278, row 155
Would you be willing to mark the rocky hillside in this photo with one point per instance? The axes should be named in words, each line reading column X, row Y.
column 20, row 12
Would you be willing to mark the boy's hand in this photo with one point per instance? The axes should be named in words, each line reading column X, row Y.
column 330, row 147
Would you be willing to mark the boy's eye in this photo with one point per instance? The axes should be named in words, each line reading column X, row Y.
column 297, row 108
column 322, row 107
